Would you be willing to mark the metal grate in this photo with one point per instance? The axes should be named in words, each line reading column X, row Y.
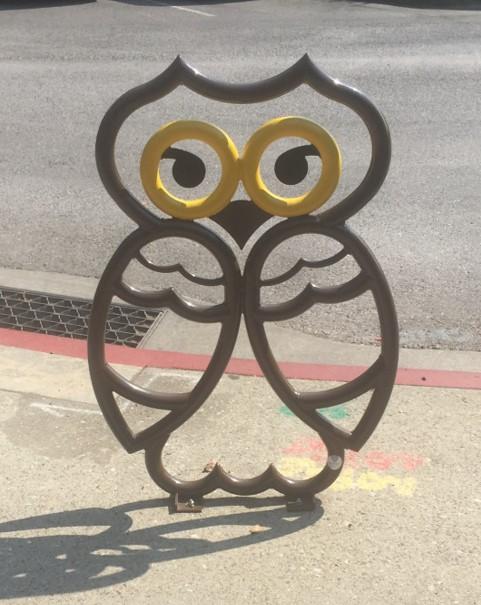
column 68, row 317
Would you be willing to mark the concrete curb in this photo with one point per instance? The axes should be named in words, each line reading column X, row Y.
column 172, row 346
column 244, row 367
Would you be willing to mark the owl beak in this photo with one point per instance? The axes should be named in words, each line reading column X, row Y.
column 241, row 218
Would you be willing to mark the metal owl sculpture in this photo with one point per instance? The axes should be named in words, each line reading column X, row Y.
column 242, row 288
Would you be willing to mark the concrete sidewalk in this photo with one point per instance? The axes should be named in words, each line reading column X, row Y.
column 81, row 521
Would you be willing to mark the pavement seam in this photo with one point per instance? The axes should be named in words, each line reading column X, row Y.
column 48, row 397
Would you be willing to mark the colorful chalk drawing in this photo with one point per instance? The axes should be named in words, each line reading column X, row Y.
column 337, row 412
column 362, row 470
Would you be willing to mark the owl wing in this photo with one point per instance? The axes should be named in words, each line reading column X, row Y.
column 106, row 381
column 377, row 379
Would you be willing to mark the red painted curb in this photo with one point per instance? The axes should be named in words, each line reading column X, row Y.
column 69, row 347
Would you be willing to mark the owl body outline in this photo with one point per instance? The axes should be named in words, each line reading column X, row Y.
column 242, row 289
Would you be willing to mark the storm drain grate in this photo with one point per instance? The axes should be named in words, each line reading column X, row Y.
column 68, row 317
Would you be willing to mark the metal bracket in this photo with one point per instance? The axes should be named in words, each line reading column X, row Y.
column 306, row 503
column 187, row 504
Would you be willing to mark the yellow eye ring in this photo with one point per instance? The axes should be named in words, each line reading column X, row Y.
column 291, row 127
column 200, row 131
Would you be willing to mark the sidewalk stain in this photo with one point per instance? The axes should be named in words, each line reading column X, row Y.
column 362, row 470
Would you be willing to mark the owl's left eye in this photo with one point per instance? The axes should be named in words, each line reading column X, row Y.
column 291, row 166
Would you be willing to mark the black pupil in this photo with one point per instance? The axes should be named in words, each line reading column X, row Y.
column 188, row 169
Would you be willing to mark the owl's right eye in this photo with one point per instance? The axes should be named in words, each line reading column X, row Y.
column 188, row 169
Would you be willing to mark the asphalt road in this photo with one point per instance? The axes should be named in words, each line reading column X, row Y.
column 62, row 64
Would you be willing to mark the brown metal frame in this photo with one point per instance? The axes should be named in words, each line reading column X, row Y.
column 241, row 219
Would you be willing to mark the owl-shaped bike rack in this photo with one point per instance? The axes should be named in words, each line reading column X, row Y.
column 242, row 289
